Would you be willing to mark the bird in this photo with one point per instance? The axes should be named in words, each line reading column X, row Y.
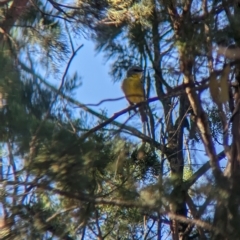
column 133, row 89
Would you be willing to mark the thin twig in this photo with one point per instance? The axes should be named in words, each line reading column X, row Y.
column 56, row 96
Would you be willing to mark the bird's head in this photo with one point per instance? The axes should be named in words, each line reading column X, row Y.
column 134, row 70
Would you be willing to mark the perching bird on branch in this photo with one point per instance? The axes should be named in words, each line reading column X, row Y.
column 133, row 89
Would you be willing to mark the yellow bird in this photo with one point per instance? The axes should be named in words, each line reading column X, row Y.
column 133, row 89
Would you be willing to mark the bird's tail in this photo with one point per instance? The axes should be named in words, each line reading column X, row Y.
column 142, row 111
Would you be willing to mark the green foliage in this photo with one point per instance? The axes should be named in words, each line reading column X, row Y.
column 187, row 172
column 146, row 160
column 72, row 164
column 215, row 123
column 64, row 174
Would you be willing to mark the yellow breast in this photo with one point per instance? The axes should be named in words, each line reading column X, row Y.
column 133, row 88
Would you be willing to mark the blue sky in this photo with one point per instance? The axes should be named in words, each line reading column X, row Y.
column 97, row 84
